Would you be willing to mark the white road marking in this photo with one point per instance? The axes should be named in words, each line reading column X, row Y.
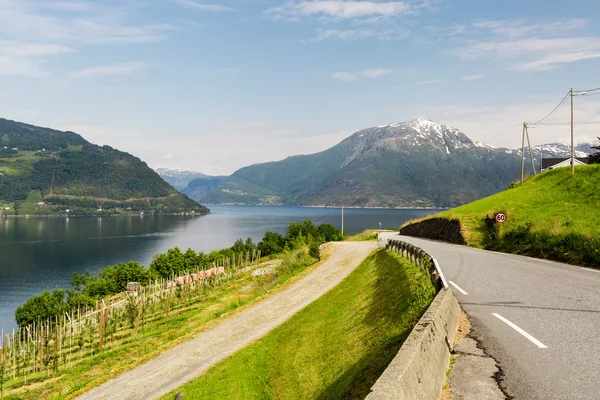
column 458, row 287
column 521, row 331
column 591, row 270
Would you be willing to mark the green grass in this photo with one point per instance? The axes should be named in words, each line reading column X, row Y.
column 366, row 235
column 553, row 215
column 127, row 350
column 336, row 347
column 18, row 164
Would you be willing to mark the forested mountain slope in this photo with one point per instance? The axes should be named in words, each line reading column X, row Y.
column 44, row 171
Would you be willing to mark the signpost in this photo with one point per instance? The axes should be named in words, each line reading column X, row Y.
column 500, row 218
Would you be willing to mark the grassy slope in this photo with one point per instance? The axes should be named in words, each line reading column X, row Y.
column 336, row 347
column 129, row 350
column 553, row 215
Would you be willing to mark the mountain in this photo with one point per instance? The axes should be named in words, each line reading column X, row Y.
column 179, row 178
column 559, row 150
column 45, row 171
column 411, row 164
column 199, row 188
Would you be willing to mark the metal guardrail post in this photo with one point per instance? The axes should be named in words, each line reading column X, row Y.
column 422, row 259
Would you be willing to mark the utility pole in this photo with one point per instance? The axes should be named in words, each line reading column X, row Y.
column 523, row 154
column 572, row 137
column 342, row 220
column 530, row 150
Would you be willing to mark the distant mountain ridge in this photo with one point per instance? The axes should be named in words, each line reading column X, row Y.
column 179, row 178
column 396, row 165
column 45, row 171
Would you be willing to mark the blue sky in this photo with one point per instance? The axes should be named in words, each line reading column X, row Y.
column 214, row 86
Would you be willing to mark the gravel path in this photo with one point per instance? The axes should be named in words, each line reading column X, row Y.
column 188, row 360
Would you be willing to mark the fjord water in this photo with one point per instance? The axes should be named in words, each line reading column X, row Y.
column 42, row 253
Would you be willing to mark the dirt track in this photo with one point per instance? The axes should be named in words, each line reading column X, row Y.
column 188, row 360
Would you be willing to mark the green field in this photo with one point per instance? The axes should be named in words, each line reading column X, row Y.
column 336, row 347
column 18, row 164
column 553, row 215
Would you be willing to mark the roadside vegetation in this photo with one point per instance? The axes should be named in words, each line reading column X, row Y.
column 553, row 215
column 336, row 347
column 77, row 338
column 368, row 234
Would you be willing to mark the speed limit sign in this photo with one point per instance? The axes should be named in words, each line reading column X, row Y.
column 500, row 218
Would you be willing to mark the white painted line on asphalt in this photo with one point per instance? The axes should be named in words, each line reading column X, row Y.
column 458, row 287
column 521, row 331
column 591, row 270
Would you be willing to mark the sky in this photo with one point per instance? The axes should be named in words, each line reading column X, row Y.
column 215, row 85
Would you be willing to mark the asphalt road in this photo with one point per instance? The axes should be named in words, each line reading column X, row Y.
column 557, row 305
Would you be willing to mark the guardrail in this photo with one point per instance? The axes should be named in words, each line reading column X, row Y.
column 420, row 257
column 419, row 369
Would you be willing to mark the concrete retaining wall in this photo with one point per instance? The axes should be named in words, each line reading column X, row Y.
column 419, row 369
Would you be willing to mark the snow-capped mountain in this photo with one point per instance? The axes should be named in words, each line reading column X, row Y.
column 178, row 178
column 413, row 163
column 423, row 132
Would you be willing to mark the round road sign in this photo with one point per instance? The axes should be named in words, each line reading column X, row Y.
column 500, row 218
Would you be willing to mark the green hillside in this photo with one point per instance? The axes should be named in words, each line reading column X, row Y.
column 44, row 171
column 336, row 347
column 553, row 215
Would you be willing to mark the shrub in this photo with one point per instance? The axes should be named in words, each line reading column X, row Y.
column 41, row 307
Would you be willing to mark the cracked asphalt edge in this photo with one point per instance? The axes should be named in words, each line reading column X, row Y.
column 474, row 374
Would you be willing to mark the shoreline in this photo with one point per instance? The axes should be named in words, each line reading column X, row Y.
column 209, row 205
column 104, row 215
column 331, row 207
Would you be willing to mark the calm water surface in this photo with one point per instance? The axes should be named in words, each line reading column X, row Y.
column 40, row 253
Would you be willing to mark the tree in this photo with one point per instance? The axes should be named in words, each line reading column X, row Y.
column 330, row 233
column 170, row 263
column 41, row 307
column 272, row 243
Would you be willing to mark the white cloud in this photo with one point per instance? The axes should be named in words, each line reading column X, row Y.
column 529, row 46
column 29, row 21
column 203, row 6
column 367, row 73
column 128, row 68
column 472, row 77
column 36, row 49
column 71, row 6
column 357, row 34
column 26, row 59
column 341, row 9
column 428, row 82
column 520, row 28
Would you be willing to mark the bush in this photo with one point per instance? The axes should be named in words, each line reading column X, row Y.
column 41, row 307
column 314, row 251
column 272, row 243
column 293, row 261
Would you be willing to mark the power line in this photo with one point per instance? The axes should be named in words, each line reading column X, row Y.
column 562, row 102
column 568, row 123
column 588, row 90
